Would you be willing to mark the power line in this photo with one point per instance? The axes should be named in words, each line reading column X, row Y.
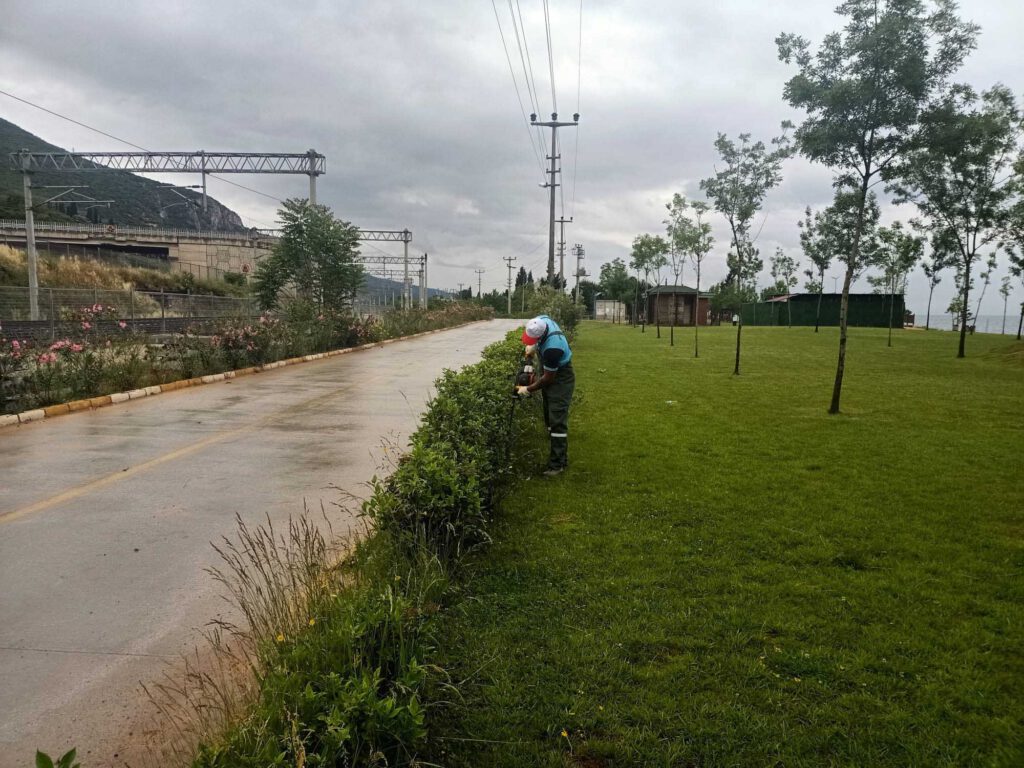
column 72, row 120
column 579, row 60
column 526, row 61
column 579, row 83
column 551, row 57
column 515, row 84
column 131, row 144
column 531, row 81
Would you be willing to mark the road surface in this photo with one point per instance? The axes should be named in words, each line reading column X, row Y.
column 106, row 519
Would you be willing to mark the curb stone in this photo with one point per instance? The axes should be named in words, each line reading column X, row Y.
column 101, row 401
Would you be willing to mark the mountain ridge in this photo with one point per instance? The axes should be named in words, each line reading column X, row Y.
column 138, row 201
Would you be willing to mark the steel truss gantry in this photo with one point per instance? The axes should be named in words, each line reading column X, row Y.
column 310, row 163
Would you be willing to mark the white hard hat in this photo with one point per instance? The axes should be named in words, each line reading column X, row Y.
column 535, row 330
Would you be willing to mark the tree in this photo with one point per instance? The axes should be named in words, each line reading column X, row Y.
column 1017, row 270
column 898, row 253
column 738, row 192
column 814, row 249
column 1004, row 291
column 615, row 282
column 942, row 257
column 521, row 277
column 316, row 254
column 784, row 269
column 649, row 257
column 863, row 92
column 691, row 240
column 986, row 279
column 957, row 173
column 956, row 306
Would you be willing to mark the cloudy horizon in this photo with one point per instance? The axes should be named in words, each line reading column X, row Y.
column 414, row 107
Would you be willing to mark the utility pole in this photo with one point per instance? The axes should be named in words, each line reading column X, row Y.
column 406, row 285
column 426, row 285
column 578, row 251
column 508, row 260
column 479, row 279
column 554, row 125
column 561, row 249
column 30, row 240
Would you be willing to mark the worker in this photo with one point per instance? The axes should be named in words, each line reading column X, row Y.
column 544, row 338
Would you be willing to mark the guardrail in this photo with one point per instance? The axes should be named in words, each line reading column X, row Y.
column 112, row 230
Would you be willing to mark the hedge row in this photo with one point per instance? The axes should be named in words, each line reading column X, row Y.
column 343, row 673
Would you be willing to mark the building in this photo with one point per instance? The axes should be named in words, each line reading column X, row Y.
column 679, row 304
column 610, row 310
column 866, row 310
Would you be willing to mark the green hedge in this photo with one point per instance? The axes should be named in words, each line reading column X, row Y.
column 352, row 684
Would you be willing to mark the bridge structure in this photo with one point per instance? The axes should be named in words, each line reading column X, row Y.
column 214, row 252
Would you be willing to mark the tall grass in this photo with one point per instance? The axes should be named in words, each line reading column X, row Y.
column 60, row 272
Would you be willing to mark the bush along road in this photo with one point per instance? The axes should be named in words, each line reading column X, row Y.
column 340, row 643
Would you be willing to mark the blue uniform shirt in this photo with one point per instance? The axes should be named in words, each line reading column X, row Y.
column 553, row 348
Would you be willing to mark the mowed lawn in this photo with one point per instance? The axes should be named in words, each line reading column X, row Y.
column 728, row 576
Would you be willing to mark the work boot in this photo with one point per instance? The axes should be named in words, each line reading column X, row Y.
column 553, row 471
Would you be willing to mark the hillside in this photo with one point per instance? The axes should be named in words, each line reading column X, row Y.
column 138, row 200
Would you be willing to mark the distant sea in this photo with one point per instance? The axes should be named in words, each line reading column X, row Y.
column 984, row 324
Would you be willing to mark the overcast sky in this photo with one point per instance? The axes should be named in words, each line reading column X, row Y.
column 413, row 104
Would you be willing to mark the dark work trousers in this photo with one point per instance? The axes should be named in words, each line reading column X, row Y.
column 557, row 398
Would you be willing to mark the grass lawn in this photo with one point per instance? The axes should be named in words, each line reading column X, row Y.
column 728, row 576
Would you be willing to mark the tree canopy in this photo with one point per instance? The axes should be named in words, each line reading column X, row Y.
column 316, row 255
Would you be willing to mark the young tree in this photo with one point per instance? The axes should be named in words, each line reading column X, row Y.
column 649, row 257
column 898, row 253
column 958, row 173
column 691, row 239
column 986, row 279
column 784, row 270
column 815, row 248
column 863, row 92
column 1004, row 291
column 941, row 245
column 956, row 307
column 738, row 191
column 1017, row 270
column 316, row 254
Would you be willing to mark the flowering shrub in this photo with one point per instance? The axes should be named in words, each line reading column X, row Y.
column 89, row 317
column 97, row 362
column 15, row 356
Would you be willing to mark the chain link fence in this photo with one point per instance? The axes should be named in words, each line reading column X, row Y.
column 146, row 311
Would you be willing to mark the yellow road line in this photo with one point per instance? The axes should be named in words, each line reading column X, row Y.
column 124, row 474
column 113, row 477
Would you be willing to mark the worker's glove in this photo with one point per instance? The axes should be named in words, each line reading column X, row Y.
column 528, row 352
column 522, row 391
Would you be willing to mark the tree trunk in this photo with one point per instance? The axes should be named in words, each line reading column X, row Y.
column 963, row 310
column 1020, row 323
column 789, row 307
column 928, row 317
column 675, row 320
column 1002, row 331
column 821, row 290
column 844, row 304
column 892, row 301
column 696, row 316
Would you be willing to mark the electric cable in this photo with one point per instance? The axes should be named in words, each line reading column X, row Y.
column 515, row 84
column 551, row 57
column 128, row 143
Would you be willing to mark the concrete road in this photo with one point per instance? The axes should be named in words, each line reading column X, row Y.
column 106, row 519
